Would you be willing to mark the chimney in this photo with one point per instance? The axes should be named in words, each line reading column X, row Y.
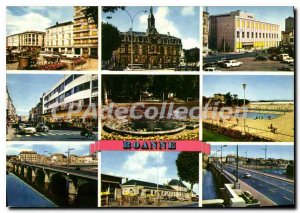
column 56, row 23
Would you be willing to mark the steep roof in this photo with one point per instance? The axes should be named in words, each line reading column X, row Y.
column 175, row 182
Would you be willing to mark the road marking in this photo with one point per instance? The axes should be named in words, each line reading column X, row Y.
column 287, row 199
column 50, row 133
column 43, row 134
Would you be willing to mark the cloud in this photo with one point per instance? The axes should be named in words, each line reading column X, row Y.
column 188, row 11
column 189, row 43
column 164, row 25
column 15, row 149
column 142, row 166
column 29, row 21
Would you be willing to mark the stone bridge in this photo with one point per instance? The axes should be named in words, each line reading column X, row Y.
column 72, row 181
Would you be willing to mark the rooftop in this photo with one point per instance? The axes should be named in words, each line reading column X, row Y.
column 60, row 24
column 146, row 184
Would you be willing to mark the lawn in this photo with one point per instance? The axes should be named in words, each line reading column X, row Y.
column 210, row 136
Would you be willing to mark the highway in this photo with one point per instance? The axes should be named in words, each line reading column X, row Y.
column 279, row 191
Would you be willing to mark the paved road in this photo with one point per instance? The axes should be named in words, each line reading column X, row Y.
column 53, row 135
column 279, row 191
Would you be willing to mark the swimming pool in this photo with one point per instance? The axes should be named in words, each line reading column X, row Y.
column 255, row 115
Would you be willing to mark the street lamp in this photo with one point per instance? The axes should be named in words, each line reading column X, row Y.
column 244, row 86
column 68, row 152
column 237, row 168
column 131, row 19
column 222, row 158
column 224, row 45
column 157, row 157
column 265, row 149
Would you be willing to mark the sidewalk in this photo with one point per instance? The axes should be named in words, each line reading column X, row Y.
column 11, row 134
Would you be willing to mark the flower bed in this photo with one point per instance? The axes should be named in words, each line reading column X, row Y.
column 56, row 66
column 79, row 61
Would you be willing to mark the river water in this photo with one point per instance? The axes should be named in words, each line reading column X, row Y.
column 20, row 194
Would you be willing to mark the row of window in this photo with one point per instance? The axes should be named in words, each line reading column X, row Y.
column 74, row 90
column 147, row 39
column 143, row 49
column 257, row 35
column 61, row 87
column 256, row 25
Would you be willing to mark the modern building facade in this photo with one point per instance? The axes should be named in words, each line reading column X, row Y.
column 239, row 31
column 150, row 48
column 59, row 37
column 85, row 34
column 71, row 93
column 26, row 40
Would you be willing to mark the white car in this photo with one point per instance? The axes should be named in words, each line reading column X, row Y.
column 247, row 176
column 232, row 63
column 71, row 55
column 48, row 54
column 222, row 60
column 27, row 129
column 288, row 60
column 210, row 69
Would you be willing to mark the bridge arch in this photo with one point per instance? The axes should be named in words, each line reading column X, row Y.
column 87, row 194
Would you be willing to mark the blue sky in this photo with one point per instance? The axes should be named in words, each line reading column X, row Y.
column 257, row 151
column 259, row 87
column 142, row 166
column 270, row 14
column 26, row 89
column 20, row 18
column 80, row 149
column 182, row 22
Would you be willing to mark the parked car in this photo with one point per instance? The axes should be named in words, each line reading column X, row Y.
column 210, row 64
column 134, row 68
column 210, row 69
column 247, row 176
column 223, row 60
column 261, row 58
column 281, row 57
column 195, row 199
column 273, row 57
column 27, row 129
column 49, row 54
column 70, row 55
column 288, row 60
column 173, row 199
column 41, row 127
column 232, row 63
column 234, row 171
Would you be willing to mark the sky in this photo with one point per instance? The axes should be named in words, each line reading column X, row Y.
column 257, row 151
column 259, row 87
column 26, row 90
column 182, row 22
column 21, row 18
column 142, row 166
column 80, row 149
column 268, row 14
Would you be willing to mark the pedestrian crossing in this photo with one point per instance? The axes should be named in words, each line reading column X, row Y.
column 45, row 134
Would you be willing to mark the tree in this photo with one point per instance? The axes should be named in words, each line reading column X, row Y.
column 111, row 40
column 187, row 165
column 92, row 13
column 111, row 9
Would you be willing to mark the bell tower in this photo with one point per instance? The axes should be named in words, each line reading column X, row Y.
column 151, row 22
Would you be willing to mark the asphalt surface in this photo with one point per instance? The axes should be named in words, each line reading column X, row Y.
column 53, row 135
column 279, row 191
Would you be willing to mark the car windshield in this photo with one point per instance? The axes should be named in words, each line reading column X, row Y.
column 27, row 125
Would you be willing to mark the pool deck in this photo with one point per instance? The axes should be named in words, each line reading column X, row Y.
column 284, row 124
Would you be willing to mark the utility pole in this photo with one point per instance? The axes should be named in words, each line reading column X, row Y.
column 68, row 158
column 244, row 86
column 237, row 167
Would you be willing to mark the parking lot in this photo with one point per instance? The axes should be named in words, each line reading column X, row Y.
column 249, row 64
